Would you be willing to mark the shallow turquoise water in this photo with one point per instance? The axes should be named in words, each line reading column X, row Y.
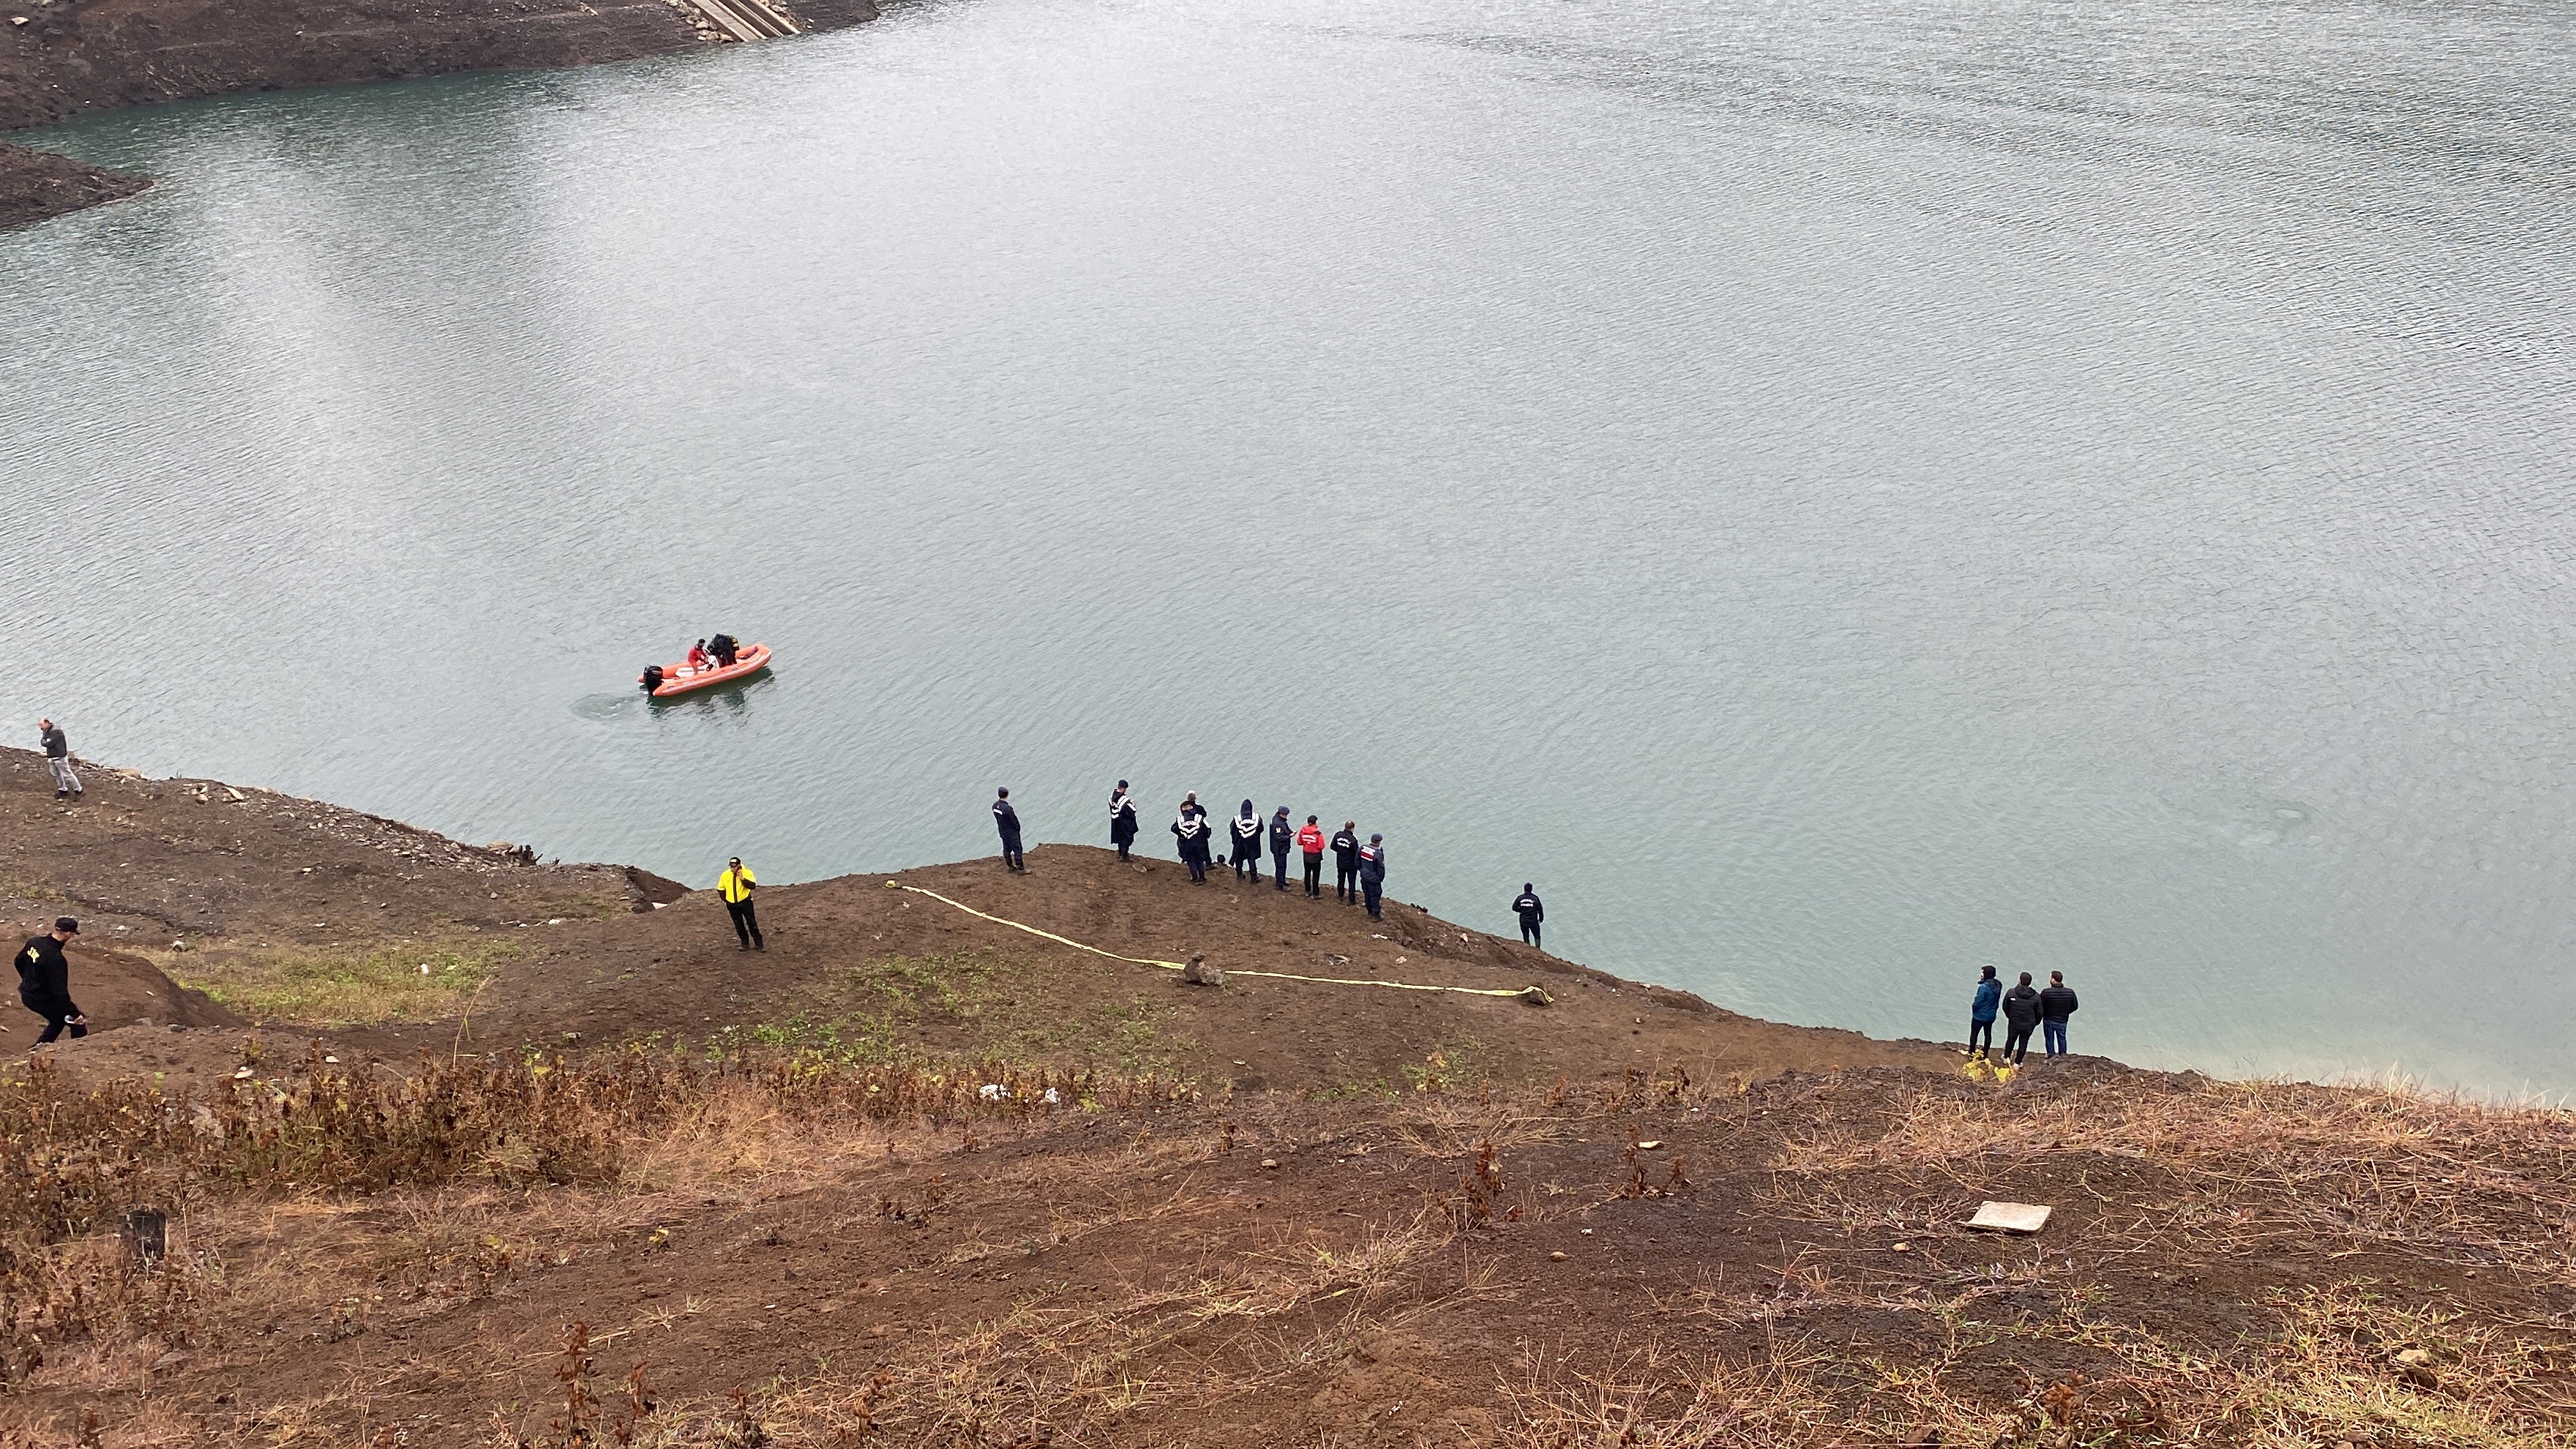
column 1834, row 494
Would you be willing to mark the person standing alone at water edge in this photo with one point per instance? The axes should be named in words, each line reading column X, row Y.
column 2056, row 1003
column 735, row 887
column 2021, row 1017
column 1373, row 874
column 1009, row 821
column 1526, row 906
column 58, row 757
column 1122, row 820
column 45, row 982
column 1981, row 1012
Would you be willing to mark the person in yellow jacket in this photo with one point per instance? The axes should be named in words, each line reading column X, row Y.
column 736, row 886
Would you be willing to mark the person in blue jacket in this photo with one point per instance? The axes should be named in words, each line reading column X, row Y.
column 1981, row 1012
column 1373, row 874
column 1282, row 835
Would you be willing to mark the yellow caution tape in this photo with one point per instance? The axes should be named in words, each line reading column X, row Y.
column 1531, row 994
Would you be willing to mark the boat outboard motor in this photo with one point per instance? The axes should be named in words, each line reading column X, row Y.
column 652, row 677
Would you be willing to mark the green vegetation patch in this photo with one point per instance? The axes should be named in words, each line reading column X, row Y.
column 342, row 987
column 986, row 1005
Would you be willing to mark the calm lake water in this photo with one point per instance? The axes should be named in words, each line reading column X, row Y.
column 1834, row 493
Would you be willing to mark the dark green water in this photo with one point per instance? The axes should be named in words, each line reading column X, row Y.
column 1834, row 494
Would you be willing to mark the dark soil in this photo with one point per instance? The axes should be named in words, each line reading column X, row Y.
column 38, row 184
column 1695, row 1227
column 77, row 57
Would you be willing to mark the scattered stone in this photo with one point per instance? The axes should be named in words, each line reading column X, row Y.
column 1200, row 973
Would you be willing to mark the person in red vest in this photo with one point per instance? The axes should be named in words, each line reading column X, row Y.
column 1311, row 841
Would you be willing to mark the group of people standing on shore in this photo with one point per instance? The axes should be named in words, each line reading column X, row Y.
column 1359, row 868
column 2023, row 1008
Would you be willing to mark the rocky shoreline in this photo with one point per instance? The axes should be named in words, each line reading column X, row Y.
column 67, row 58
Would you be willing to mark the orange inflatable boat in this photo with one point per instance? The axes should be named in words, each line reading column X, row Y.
column 678, row 679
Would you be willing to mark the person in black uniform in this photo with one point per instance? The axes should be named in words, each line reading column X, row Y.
column 1193, row 831
column 45, row 984
column 724, row 648
column 1247, row 844
column 1346, row 863
column 1282, row 835
column 1009, row 821
column 1531, row 913
column 1373, row 874
column 1122, row 820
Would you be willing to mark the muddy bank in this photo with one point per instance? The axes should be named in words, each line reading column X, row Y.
column 316, row 919
column 38, row 184
column 77, row 57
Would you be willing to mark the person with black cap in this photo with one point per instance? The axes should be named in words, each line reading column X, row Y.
column 1346, row 863
column 1282, row 835
column 1373, row 873
column 1193, row 831
column 1526, row 906
column 45, row 984
column 1009, row 821
column 1981, row 1012
column 1122, row 820
column 734, row 887
column 1247, row 844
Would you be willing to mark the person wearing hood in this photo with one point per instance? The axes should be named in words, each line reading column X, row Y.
column 2056, row 1003
column 1193, row 831
column 1526, row 906
column 1282, row 835
column 2021, row 1018
column 1247, row 844
column 1122, row 820
column 1346, row 863
column 1310, row 843
column 1008, row 821
column 1373, row 874
column 1981, row 1012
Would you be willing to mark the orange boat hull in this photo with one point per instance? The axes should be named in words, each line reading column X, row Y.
column 679, row 679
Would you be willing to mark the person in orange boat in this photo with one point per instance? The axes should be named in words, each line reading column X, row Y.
column 698, row 657
column 724, row 649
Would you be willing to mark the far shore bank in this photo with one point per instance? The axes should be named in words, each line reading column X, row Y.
column 75, row 58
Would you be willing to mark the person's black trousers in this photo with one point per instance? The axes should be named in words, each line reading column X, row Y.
column 746, row 924
column 1279, row 869
column 1346, row 883
column 1529, row 934
column 1374, row 890
column 1247, row 863
column 1315, row 876
column 1011, row 853
column 1197, row 861
column 1981, row 1030
column 57, row 1015
column 2017, row 1043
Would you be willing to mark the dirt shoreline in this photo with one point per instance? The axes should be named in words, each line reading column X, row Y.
column 533, row 1155
column 79, row 57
